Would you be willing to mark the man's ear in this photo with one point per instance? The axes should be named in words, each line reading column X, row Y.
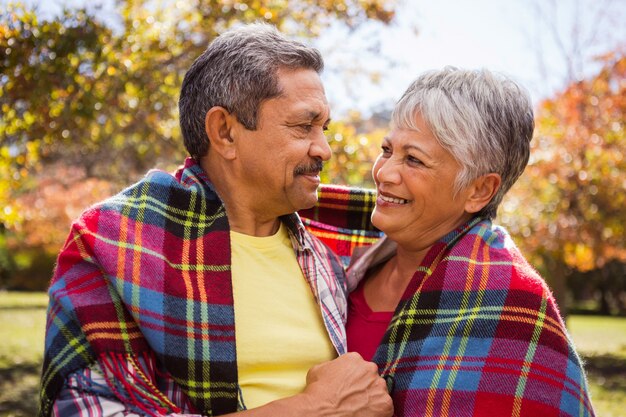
column 482, row 191
column 218, row 124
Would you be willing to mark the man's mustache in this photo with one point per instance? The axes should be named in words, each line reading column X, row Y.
column 313, row 168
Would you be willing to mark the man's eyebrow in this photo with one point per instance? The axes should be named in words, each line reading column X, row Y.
column 310, row 115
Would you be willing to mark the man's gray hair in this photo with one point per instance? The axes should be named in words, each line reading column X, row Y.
column 238, row 71
column 485, row 120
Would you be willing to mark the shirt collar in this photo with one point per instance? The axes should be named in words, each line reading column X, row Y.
column 297, row 232
column 365, row 257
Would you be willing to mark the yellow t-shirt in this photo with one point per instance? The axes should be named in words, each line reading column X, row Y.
column 279, row 329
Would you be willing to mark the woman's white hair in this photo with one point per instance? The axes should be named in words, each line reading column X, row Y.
column 484, row 119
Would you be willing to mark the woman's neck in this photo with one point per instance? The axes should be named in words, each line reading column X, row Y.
column 385, row 285
column 409, row 260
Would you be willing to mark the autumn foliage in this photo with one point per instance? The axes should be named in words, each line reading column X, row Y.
column 88, row 107
column 569, row 207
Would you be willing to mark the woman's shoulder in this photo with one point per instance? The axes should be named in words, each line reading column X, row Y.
column 488, row 250
column 488, row 240
column 485, row 267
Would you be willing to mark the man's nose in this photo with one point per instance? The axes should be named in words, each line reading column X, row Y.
column 320, row 147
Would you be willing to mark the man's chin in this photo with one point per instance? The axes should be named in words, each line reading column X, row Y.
column 306, row 201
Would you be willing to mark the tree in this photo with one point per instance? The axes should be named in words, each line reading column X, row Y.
column 96, row 99
column 569, row 36
column 578, row 32
column 103, row 92
column 572, row 195
column 355, row 145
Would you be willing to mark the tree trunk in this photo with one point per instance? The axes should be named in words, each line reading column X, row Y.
column 556, row 279
column 605, row 291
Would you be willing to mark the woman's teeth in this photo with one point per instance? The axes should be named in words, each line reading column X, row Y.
column 393, row 200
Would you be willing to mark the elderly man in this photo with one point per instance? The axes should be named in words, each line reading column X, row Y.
column 201, row 292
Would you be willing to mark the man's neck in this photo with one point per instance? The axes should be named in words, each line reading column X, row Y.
column 251, row 226
column 240, row 210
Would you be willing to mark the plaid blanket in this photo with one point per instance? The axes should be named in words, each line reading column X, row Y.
column 341, row 219
column 145, row 277
column 477, row 332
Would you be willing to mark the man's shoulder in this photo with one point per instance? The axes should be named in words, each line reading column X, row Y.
column 159, row 194
column 161, row 186
column 152, row 185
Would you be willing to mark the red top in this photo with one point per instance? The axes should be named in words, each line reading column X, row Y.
column 365, row 328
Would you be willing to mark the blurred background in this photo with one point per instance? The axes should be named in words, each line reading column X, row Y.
column 88, row 97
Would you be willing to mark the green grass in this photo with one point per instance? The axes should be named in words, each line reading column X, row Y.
column 601, row 342
column 23, row 323
column 22, row 318
column 598, row 335
column 16, row 299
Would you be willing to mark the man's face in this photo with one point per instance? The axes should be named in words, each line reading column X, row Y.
column 279, row 162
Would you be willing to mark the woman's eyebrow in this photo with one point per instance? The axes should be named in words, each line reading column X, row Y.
column 417, row 148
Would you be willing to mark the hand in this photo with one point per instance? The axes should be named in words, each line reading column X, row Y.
column 347, row 386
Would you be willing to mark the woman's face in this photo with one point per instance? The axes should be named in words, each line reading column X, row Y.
column 414, row 178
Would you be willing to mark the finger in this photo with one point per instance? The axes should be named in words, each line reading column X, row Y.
column 311, row 375
column 371, row 367
column 380, row 384
column 352, row 356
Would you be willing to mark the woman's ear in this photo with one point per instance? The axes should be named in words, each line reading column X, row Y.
column 218, row 124
column 482, row 191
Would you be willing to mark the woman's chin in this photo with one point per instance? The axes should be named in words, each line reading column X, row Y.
column 382, row 222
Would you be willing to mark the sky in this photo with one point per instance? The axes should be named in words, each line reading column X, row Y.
column 368, row 69
column 507, row 36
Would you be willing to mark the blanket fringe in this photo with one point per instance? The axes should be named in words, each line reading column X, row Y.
column 128, row 378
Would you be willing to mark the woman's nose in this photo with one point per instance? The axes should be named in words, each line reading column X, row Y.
column 387, row 170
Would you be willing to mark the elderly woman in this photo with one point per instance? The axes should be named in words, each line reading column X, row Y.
column 457, row 320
